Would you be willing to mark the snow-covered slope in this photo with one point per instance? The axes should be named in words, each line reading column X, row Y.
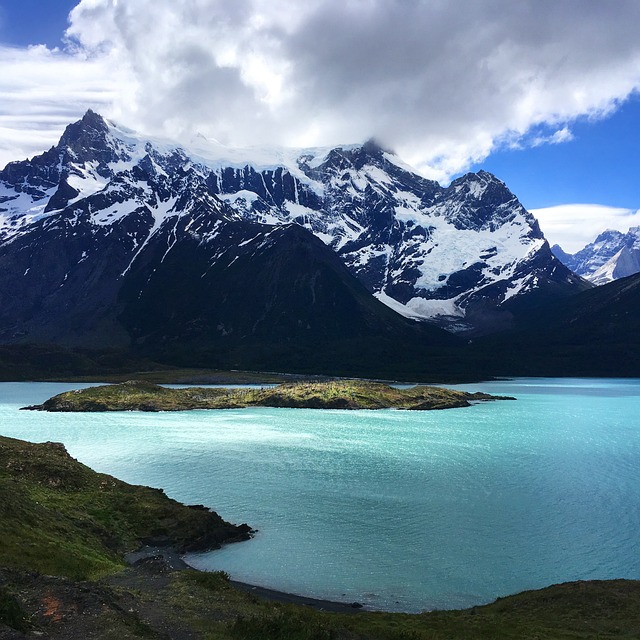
column 612, row 255
column 466, row 256
column 463, row 256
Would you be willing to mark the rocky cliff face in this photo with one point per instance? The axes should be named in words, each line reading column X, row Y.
column 464, row 256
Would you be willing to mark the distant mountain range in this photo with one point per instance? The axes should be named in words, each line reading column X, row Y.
column 342, row 260
column 612, row 255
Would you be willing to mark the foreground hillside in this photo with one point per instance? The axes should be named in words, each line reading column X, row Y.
column 59, row 517
column 62, row 524
column 342, row 394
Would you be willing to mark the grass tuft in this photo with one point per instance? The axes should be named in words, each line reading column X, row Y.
column 213, row 581
column 285, row 625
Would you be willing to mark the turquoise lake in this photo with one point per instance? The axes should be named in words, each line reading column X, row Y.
column 399, row 510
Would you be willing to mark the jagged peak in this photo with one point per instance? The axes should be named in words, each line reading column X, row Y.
column 373, row 146
column 359, row 155
column 92, row 139
column 609, row 234
column 94, row 119
column 91, row 125
column 480, row 183
column 481, row 176
column 557, row 250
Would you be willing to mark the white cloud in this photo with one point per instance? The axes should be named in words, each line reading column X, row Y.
column 42, row 91
column 442, row 82
column 573, row 226
column 557, row 137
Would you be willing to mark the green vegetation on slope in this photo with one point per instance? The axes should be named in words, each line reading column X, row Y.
column 570, row 611
column 59, row 517
column 343, row 394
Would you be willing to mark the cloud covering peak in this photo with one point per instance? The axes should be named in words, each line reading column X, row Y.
column 443, row 83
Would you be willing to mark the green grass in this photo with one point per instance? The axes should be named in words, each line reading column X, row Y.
column 59, row 517
column 571, row 611
column 342, row 394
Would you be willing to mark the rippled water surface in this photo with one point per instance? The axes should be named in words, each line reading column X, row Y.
column 400, row 510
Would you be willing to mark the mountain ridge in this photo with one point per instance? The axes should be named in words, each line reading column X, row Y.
column 460, row 256
column 146, row 257
column 612, row 255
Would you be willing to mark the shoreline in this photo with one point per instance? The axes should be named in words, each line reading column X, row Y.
column 274, row 595
column 171, row 560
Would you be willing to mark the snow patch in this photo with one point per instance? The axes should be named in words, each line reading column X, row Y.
column 248, row 197
column 421, row 309
column 20, row 210
column 435, row 308
column 160, row 214
column 86, row 180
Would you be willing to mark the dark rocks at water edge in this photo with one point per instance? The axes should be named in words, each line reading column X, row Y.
column 341, row 394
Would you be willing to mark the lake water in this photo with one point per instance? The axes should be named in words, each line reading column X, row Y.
column 399, row 510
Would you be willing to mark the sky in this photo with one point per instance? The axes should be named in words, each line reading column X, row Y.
column 543, row 93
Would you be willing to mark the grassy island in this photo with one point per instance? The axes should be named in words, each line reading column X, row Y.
column 343, row 394
column 64, row 530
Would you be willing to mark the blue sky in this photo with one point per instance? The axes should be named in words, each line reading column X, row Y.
column 601, row 164
column 537, row 92
column 26, row 22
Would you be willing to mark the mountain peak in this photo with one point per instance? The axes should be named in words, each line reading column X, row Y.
column 482, row 177
column 612, row 255
column 90, row 140
column 482, row 186
column 91, row 118
column 450, row 255
column 374, row 147
column 609, row 234
column 560, row 253
column 91, row 126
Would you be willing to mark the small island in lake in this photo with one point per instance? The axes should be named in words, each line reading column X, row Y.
column 341, row 394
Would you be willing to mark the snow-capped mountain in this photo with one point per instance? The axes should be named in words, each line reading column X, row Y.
column 108, row 219
column 612, row 255
column 110, row 243
column 463, row 256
